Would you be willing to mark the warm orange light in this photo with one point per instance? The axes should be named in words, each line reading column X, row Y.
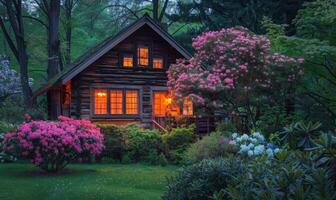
column 168, row 101
column 101, row 94
column 143, row 55
column 157, row 63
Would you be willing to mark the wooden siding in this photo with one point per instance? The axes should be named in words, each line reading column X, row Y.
column 108, row 72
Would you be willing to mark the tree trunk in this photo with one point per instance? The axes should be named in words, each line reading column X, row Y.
column 53, row 38
column 26, row 90
column 156, row 10
column 53, row 14
column 68, row 29
column 18, row 45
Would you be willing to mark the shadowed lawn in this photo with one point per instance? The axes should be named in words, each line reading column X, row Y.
column 84, row 181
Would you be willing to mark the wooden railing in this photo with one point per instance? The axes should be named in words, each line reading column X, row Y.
column 205, row 124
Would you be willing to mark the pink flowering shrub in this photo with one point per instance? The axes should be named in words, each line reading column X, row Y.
column 229, row 67
column 51, row 145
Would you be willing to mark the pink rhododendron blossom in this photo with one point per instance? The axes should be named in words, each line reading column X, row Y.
column 230, row 61
column 53, row 144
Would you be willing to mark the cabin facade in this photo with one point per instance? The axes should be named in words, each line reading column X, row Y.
column 121, row 81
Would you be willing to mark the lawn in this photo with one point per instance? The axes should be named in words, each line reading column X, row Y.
column 84, row 181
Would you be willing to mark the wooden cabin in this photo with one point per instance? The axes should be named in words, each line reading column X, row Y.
column 122, row 80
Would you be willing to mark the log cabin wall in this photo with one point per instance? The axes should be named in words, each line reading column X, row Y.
column 107, row 72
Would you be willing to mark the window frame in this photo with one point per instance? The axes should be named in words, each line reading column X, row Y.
column 138, row 57
column 153, row 100
column 109, row 89
column 163, row 62
column 127, row 54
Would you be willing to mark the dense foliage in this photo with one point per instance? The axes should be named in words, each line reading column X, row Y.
column 177, row 141
column 202, row 180
column 234, row 69
column 133, row 143
column 52, row 145
column 306, row 174
column 210, row 146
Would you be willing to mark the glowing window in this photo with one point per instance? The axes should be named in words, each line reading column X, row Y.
column 157, row 63
column 128, row 61
column 116, row 100
column 187, row 107
column 143, row 55
column 160, row 103
column 132, row 101
column 100, row 101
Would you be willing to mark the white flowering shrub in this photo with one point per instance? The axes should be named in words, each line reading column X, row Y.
column 253, row 145
column 10, row 83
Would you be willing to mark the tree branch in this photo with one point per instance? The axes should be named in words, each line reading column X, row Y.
column 37, row 20
column 163, row 11
column 8, row 39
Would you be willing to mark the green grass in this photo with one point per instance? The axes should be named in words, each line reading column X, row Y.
column 84, row 181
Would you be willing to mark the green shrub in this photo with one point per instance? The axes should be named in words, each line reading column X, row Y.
column 211, row 146
column 4, row 156
column 13, row 113
column 293, row 175
column 162, row 160
column 142, row 144
column 177, row 141
column 179, row 137
column 300, row 135
column 114, row 142
column 200, row 181
column 6, row 127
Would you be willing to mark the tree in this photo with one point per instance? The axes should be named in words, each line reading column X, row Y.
column 315, row 41
column 68, row 6
column 157, row 13
column 233, row 70
column 51, row 9
column 15, row 37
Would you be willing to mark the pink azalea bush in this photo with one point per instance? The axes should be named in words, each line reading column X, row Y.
column 231, row 63
column 51, row 145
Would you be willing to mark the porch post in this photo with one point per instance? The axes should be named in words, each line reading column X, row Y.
column 54, row 103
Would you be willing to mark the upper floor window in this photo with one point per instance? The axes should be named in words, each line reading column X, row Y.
column 157, row 63
column 143, row 56
column 128, row 61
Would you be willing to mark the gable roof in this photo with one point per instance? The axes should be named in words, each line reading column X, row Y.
column 98, row 51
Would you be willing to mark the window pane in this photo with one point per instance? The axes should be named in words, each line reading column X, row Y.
column 187, row 107
column 157, row 63
column 128, row 61
column 100, row 101
column 132, row 102
column 143, row 56
column 160, row 104
column 116, row 100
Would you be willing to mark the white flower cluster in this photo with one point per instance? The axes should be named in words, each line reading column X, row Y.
column 254, row 145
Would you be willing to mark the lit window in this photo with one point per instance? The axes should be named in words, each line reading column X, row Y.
column 100, row 101
column 187, row 107
column 160, row 103
column 116, row 99
column 128, row 61
column 143, row 56
column 132, row 102
column 157, row 63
